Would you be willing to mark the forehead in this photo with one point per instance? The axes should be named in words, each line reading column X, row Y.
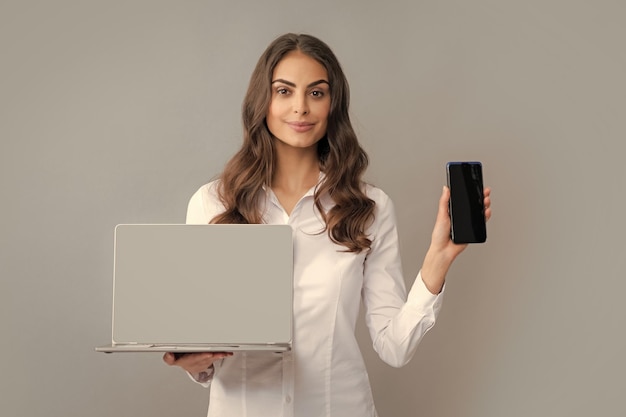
column 297, row 66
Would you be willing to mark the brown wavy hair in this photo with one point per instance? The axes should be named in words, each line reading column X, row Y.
column 341, row 158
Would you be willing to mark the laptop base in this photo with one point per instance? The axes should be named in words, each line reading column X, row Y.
column 134, row 347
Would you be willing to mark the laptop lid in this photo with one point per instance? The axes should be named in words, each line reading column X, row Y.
column 202, row 287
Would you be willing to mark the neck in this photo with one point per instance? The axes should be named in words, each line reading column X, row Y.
column 297, row 169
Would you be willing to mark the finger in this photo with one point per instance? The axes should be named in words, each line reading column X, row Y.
column 487, row 203
column 207, row 358
column 202, row 361
column 222, row 354
column 169, row 358
column 487, row 194
column 444, row 202
column 213, row 356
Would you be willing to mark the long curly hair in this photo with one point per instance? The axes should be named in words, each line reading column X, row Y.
column 341, row 158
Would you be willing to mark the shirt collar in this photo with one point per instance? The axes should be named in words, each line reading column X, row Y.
column 325, row 199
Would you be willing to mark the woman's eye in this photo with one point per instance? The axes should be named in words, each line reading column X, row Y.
column 282, row 91
column 317, row 93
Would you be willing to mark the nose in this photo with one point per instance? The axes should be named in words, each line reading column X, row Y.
column 301, row 105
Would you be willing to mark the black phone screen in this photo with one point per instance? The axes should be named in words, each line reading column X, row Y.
column 467, row 209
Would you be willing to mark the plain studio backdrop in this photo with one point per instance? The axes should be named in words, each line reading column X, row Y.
column 117, row 111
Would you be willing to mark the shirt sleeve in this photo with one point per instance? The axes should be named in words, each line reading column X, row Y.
column 204, row 204
column 396, row 323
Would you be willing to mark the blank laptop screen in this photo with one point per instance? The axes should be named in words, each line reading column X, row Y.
column 201, row 284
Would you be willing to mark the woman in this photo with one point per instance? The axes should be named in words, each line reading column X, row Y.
column 301, row 164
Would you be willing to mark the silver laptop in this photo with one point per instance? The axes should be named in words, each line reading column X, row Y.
column 202, row 288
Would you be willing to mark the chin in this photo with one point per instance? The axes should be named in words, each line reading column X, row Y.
column 300, row 143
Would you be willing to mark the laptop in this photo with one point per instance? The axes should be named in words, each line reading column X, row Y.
column 202, row 288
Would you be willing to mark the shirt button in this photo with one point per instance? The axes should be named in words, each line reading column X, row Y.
column 288, row 399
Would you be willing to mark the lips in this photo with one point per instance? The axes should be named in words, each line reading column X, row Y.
column 301, row 126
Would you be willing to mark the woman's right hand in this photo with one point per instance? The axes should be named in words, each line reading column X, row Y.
column 194, row 363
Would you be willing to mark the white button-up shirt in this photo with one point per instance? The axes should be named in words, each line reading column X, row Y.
column 324, row 375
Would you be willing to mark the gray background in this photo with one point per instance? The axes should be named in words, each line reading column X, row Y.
column 116, row 111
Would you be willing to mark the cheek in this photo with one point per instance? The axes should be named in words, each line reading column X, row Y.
column 324, row 113
column 271, row 110
column 326, row 108
column 272, row 114
column 277, row 111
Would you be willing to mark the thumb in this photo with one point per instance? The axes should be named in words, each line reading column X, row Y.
column 169, row 358
column 444, row 204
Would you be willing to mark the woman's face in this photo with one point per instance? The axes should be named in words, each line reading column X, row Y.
column 300, row 104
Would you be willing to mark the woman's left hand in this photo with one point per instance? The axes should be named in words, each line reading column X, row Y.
column 443, row 250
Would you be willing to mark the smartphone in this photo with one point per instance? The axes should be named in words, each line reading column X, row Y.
column 467, row 202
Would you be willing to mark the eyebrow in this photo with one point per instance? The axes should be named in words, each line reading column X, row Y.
column 289, row 83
